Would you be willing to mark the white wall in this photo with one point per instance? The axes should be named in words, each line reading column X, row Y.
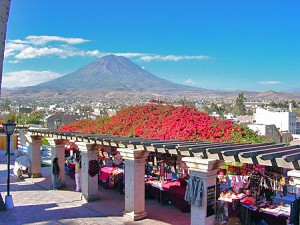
column 260, row 128
column 284, row 121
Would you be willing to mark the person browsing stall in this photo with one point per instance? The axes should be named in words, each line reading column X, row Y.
column 77, row 175
column 55, row 172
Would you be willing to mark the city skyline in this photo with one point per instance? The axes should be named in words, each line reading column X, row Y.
column 215, row 45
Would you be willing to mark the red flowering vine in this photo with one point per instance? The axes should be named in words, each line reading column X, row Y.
column 161, row 121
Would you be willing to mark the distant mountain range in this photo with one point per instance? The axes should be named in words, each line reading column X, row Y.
column 117, row 76
column 114, row 72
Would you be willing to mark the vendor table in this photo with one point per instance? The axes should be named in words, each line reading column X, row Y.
column 248, row 216
column 175, row 192
column 111, row 177
column 155, row 190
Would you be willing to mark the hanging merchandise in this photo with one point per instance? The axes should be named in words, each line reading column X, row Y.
column 193, row 194
column 257, row 193
column 93, row 167
column 162, row 171
column 166, row 180
column 169, row 173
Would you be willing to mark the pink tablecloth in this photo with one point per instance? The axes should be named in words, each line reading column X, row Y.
column 106, row 171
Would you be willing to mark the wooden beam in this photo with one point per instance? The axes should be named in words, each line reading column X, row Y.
column 279, row 154
column 151, row 143
column 164, row 144
column 241, row 150
column 216, row 150
column 255, row 153
column 292, row 157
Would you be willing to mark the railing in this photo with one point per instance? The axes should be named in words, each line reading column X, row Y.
column 3, row 142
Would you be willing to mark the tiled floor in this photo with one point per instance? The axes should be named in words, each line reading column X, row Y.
column 35, row 203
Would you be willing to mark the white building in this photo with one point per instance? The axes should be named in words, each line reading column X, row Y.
column 216, row 115
column 231, row 117
column 283, row 120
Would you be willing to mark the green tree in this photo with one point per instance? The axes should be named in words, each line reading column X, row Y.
column 218, row 109
column 294, row 104
column 239, row 102
column 273, row 104
column 45, row 141
column 283, row 105
column 32, row 118
column 5, row 106
column 206, row 109
column 10, row 116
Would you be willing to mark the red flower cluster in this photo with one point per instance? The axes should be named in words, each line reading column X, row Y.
column 165, row 122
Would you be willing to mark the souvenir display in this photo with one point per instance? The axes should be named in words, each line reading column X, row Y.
column 111, row 173
column 166, row 180
column 256, row 193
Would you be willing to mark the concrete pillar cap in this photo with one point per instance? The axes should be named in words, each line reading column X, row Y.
column 85, row 147
column 294, row 173
column 32, row 138
column 201, row 164
column 131, row 154
column 56, row 141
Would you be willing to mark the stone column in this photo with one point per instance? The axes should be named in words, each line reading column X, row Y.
column 58, row 150
column 34, row 154
column 22, row 145
column 134, row 161
column 89, row 153
column 206, row 170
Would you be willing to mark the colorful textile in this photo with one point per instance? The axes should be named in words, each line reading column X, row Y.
column 106, row 171
column 194, row 191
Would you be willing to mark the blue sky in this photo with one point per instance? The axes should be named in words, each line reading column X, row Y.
column 228, row 45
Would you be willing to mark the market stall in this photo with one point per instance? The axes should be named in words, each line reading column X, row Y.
column 255, row 193
column 71, row 152
column 111, row 170
column 166, row 180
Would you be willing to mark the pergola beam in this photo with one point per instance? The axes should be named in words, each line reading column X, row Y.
column 241, row 150
column 264, row 153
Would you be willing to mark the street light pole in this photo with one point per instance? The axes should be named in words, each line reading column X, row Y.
column 8, row 162
column 9, row 129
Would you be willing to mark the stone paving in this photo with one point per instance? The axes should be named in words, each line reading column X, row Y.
column 36, row 203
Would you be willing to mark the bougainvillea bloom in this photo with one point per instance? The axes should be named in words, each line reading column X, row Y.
column 166, row 122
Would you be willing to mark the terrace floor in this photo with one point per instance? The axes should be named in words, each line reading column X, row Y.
column 36, row 203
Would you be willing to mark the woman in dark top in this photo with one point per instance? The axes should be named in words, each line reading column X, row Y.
column 55, row 172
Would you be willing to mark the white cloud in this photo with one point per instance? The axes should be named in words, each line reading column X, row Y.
column 42, row 40
column 148, row 57
column 13, row 61
column 27, row 78
column 129, row 54
column 32, row 52
column 29, row 48
column 62, row 47
column 175, row 58
column 190, row 82
column 269, row 82
column 12, row 48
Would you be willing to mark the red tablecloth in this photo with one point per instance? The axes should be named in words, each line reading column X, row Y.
column 174, row 187
column 175, row 191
